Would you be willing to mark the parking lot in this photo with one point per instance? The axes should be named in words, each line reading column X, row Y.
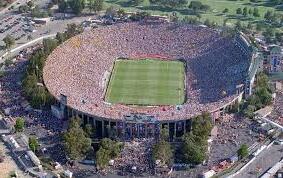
column 16, row 26
column 23, row 29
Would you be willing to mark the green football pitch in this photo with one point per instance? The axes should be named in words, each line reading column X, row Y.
column 146, row 82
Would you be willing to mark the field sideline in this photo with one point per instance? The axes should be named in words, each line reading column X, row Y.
column 146, row 82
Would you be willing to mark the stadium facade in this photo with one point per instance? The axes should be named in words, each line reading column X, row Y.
column 219, row 73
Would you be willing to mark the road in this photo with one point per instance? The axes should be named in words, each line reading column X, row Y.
column 17, row 49
column 263, row 162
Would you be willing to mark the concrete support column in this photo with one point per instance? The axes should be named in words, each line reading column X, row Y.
column 138, row 130
column 175, row 129
column 184, row 126
column 88, row 119
column 102, row 123
column 73, row 113
column 116, row 126
column 146, row 130
column 93, row 122
column 131, row 131
column 168, row 127
column 68, row 112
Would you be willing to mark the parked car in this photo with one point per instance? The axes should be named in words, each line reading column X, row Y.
column 279, row 142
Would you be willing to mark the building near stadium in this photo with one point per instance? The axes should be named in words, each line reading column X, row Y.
column 131, row 79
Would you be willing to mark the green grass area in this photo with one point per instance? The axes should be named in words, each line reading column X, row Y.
column 146, row 82
column 214, row 14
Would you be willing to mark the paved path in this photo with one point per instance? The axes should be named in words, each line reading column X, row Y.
column 262, row 162
column 273, row 123
column 17, row 49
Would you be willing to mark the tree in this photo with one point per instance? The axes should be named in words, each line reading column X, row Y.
column 170, row 3
column 102, row 158
column 195, row 143
column 9, row 41
column 23, row 9
column 40, row 98
column 259, row 26
column 239, row 11
column 254, row 100
column 243, row 151
column 226, row 10
column 76, row 143
column 250, row 11
column 256, row 12
column 238, row 26
column 49, row 45
column 29, row 37
column 33, row 144
column 95, row 5
column 245, row 11
column 225, row 22
column 20, row 125
column 164, row 133
column 136, row 2
column 264, row 95
column 174, row 17
column 108, row 149
column 61, row 37
column 249, row 111
column 2, row 156
column 62, row 6
column 55, row 1
column 279, row 37
column 162, row 151
column 77, row 6
column 98, row 5
column 111, row 12
column 88, row 130
column 268, row 34
column 190, row 20
column 29, row 83
column 113, row 146
column 201, row 125
column 91, row 5
column 207, row 22
column 73, row 30
column 198, row 15
column 262, row 80
column 268, row 15
column 30, row 4
column 121, row 13
column 272, row 17
column 194, row 149
column 250, row 26
column 36, row 12
column 197, row 5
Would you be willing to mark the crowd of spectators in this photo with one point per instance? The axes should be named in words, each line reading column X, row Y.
column 232, row 132
column 135, row 158
column 214, row 66
column 41, row 123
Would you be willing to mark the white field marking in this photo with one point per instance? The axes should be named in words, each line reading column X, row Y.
column 108, row 93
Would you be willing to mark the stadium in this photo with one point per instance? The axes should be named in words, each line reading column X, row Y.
column 132, row 78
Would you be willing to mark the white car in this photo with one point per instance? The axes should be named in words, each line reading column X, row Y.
column 279, row 142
